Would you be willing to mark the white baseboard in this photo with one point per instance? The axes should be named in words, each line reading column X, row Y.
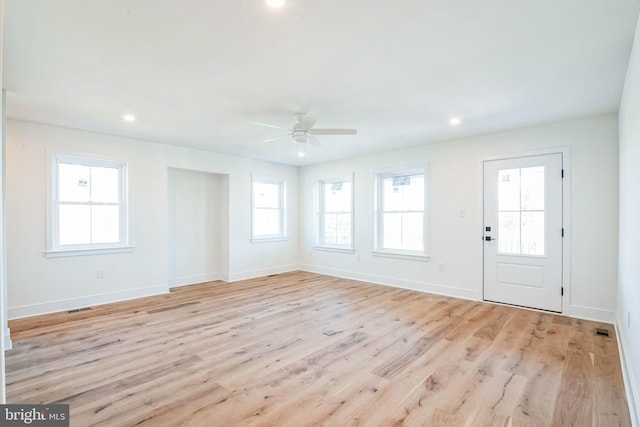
column 244, row 275
column 629, row 376
column 589, row 313
column 88, row 301
column 193, row 279
column 397, row 283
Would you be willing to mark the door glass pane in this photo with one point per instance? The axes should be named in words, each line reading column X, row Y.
column 509, row 190
column 521, row 216
column 532, row 183
column 75, row 224
column 533, row 233
column 509, row 232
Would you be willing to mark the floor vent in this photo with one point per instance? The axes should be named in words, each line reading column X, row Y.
column 329, row 332
column 79, row 309
column 602, row 332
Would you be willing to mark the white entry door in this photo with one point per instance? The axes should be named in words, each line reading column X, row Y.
column 523, row 231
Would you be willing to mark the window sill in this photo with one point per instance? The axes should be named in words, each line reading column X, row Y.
column 400, row 255
column 84, row 252
column 269, row 239
column 334, row 249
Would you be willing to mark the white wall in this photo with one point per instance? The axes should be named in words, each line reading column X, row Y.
column 196, row 227
column 37, row 284
column 455, row 184
column 628, row 313
column 3, row 252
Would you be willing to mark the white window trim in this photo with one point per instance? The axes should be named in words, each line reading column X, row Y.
column 320, row 211
column 338, row 249
column 399, row 254
column 282, row 183
column 53, row 249
column 378, row 250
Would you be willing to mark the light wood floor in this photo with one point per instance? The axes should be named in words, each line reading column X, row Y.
column 253, row 353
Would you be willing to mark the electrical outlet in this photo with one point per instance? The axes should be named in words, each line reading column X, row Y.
column 358, row 258
column 441, row 267
column 100, row 273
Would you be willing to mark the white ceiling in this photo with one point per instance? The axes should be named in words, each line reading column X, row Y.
column 196, row 72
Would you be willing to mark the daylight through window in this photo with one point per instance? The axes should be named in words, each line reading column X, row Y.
column 335, row 213
column 89, row 204
column 401, row 212
column 268, row 209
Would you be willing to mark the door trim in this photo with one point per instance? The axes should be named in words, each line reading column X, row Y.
column 566, row 214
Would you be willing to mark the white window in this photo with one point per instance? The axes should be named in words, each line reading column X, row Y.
column 88, row 210
column 400, row 212
column 269, row 197
column 335, row 213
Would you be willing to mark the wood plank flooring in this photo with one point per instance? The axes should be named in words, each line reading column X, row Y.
column 253, row 353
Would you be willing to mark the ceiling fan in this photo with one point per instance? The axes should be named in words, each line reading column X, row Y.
column 303, row 131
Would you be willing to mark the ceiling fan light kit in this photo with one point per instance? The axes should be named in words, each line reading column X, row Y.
column 300, row 136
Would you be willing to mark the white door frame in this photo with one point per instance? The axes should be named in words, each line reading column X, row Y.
column 566, row 214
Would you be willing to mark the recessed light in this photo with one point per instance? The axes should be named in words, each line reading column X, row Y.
column 129, row 118
column 275, row 3
column 455, row 121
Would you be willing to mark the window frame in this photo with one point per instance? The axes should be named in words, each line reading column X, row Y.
column 320, row 244
column 53, row 246
column 282, row 209
column 378, row 221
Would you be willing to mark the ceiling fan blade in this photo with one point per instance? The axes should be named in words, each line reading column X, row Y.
column 268, row 125
column 276, row 138
column 315, row 141
column 334, row 131
column 308, row 120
